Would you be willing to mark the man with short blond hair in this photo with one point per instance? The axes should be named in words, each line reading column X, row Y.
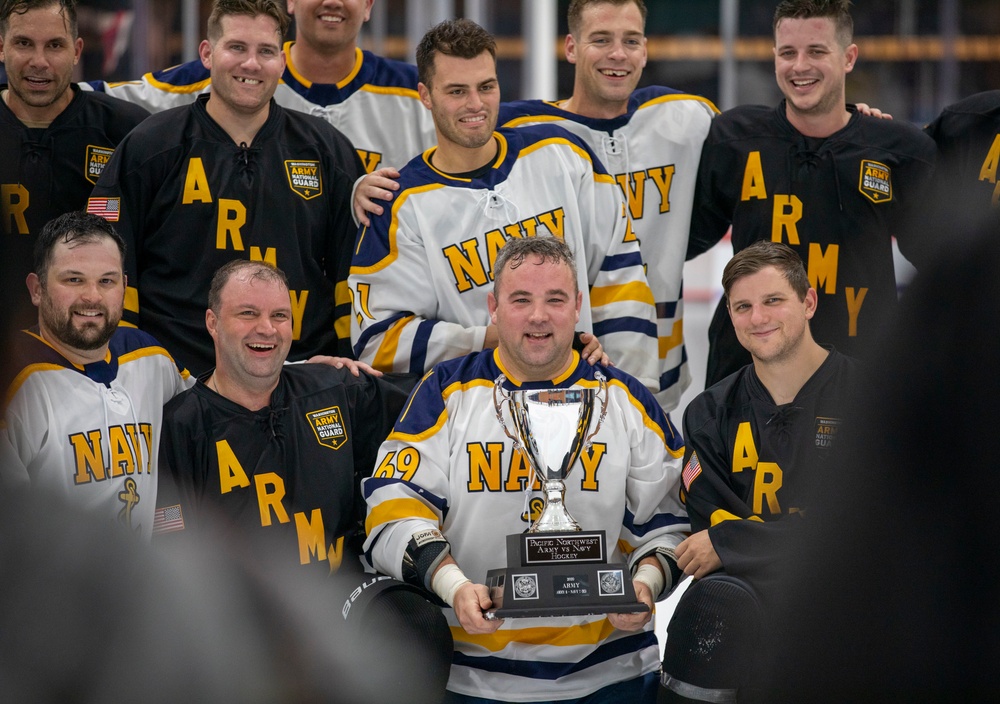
column 371, row 99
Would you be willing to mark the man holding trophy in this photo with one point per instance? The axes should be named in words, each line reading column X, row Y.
column 493, row 444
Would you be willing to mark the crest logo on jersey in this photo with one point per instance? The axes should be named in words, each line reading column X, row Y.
column 826, row 431
column 97, row 159
column 876, row 181
column 304, row 178
column 130, row 497
column 328, row 425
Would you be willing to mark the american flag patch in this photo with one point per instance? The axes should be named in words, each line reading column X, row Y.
column 691, row 471
column 107, row 208
column 168, row 519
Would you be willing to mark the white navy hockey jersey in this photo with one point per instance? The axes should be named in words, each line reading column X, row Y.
column 90, row 433
column 421, row 273
column 448, row 465
column 653, row 151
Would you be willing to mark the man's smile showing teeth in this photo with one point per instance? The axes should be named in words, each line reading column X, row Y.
column 802, row 82
column 331, row 18
column 474, row 118
column 249, row 81
column 260, row 346
column 614, row 73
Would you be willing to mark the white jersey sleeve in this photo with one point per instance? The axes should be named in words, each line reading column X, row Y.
column 160, row 90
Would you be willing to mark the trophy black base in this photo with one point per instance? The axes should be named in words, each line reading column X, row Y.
column 560, row 574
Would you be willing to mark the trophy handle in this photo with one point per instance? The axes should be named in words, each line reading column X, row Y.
column 603, row 394
column 499, row 398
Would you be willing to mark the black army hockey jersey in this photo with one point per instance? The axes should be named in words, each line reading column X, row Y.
column 752, row 464
column 287, row 475
column 966, row 185
column 47, row 172
column 187, row 199
column 837, row 201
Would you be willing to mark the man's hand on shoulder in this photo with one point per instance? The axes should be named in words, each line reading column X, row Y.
column 353, row 365
column 371, row 188
column 592, row 351
column 869, row 111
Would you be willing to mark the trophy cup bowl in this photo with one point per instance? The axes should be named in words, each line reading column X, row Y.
column 551, row 426
column 556, row 568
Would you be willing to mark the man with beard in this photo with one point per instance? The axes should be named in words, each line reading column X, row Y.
column 85, row 400
column 54, row 138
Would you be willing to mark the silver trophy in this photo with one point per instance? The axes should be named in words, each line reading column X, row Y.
column 552, row 428
column 556, row 568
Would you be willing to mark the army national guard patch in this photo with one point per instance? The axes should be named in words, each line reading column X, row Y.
column 826, row 431
column 304, row 178
column 328, row 425
column 876, row 181
column 97, row 159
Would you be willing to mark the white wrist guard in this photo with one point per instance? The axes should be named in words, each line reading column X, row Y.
column 447, row 581
column 651, row 577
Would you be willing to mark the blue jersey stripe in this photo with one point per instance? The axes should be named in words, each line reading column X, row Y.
column 627, row 646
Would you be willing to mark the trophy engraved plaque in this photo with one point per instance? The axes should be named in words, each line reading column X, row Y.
column 556, row 568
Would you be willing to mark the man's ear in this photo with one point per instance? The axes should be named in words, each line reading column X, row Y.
column 491, row 305
column 569, row 47
column 205, row 54
column 34, row 288
column 211, row 322
column 851, row 54
column 812, row 301
column 425, row 95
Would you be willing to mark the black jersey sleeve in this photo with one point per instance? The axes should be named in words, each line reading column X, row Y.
column 710, row 497
column 129, row 182
column 916, row 239
column 747, row 546
column 344, row 167
column 183, row 461
column 713, row 203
